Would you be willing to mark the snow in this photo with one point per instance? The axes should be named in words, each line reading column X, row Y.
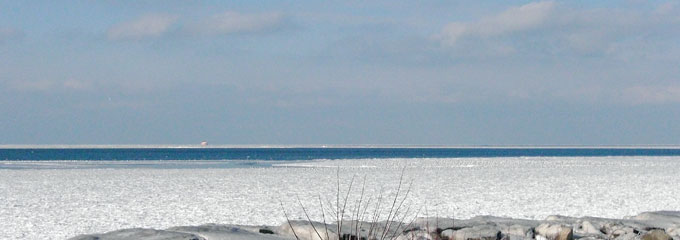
column 64, row 199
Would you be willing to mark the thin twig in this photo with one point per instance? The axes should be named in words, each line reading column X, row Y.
column 414, row 219
column 323, row 216
column 376, row 214
column 358, row 209
column 288, row 220
column 394, row 202
column 402, row 202
column 427, row 219
column 363, row 214
column 308, row 218
column 337, row 204
column 401, row 222
column 344, row 205
column 436, row 219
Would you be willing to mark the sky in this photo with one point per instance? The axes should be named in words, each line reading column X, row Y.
column 340, row 72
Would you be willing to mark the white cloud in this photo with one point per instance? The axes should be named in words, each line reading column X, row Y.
column 515, row 19
column 562, row 29
column 152, row 25
column 75, row 84
column 156, row 25
column 651, row 94
column 48, row 85
column 638, row 94
column 234, row 22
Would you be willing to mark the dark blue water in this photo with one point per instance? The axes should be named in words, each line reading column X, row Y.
column 313, row 153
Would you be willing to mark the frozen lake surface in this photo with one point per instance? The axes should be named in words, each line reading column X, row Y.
column 60, row 199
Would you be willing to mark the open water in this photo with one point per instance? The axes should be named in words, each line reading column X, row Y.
column 309, row 153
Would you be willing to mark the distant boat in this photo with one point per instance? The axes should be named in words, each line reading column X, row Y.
column 204, row 143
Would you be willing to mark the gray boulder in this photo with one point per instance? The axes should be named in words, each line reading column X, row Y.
column 416, row 235
column 656, row 234
column 480, row 232
column 617, row 229
column 554, row 231
column 227, row 232
column 141, row 234
column 674, row 232
column 305, row 231
column 588, row 228
column 517, row 232
column 663, row 219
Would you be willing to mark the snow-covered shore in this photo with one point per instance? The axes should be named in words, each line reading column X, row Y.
column 663, row 225
column 58, row 200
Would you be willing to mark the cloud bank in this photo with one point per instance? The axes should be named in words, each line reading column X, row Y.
column 560, row 28
column 514, row 19
column 651, row 94
column 147, row 26
column 226, row 23
column 234, row 22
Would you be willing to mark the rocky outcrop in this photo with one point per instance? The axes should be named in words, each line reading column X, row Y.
column 140, row 233
column 645, row 226
column 480, row 232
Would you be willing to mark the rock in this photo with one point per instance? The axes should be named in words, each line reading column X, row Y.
column 415, row 235
column 554, row 231
column 566, row 234
column 674, row 232
column 518, row 232
column 664, row 225
column 218, row 231
column 139, row 234
column 656, row 234
column 481, row 232
column 601, row 237
column 305, row 231
column 559, row 218
column 666, row 217
column 586, row 227
column 433, row 223
column 627, row 236
column 615, row 229
column 447, row 234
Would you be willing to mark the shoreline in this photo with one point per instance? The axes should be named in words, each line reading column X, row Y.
column 658, row 225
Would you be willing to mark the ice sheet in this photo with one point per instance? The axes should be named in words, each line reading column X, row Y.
column 58, row 203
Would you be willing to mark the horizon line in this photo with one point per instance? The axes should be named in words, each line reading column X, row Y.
column 255, row 146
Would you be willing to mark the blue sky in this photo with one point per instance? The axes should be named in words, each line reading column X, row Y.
column 340, row 72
